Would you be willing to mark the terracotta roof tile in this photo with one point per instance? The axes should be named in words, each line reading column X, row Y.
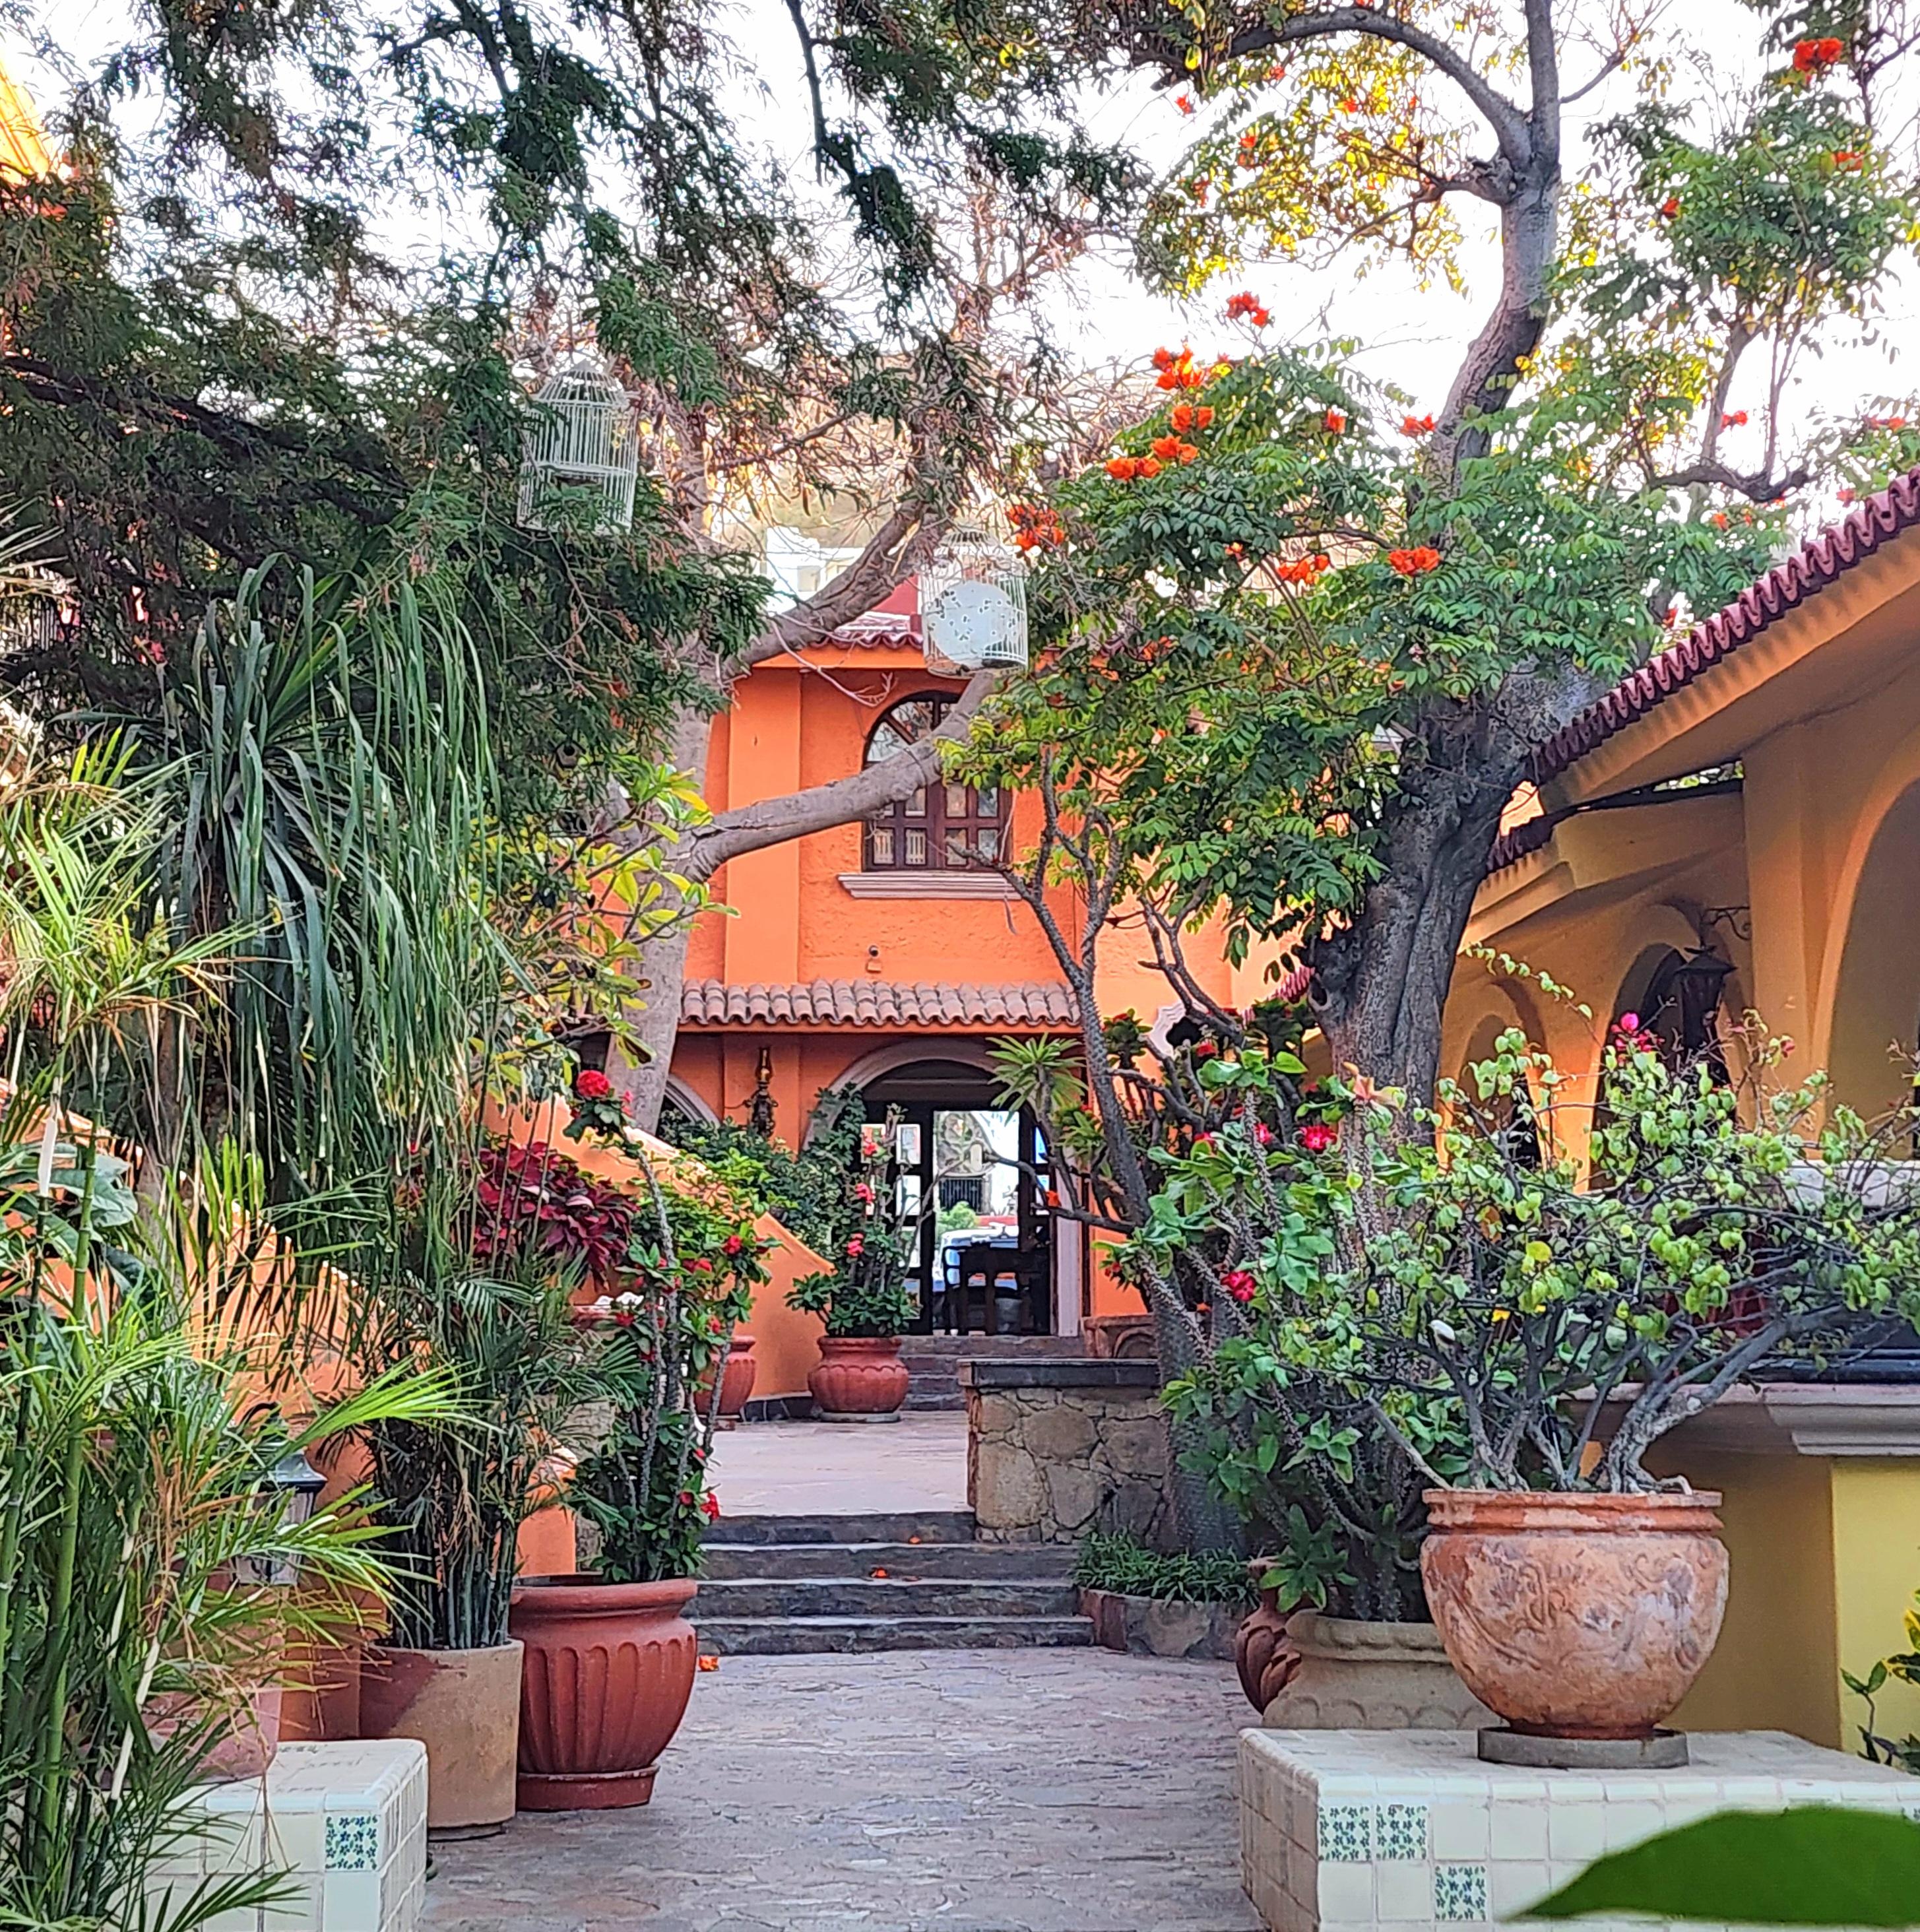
column 1817, row 563
column 876, row 1003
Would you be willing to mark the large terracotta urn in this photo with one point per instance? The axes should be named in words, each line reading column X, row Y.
column 464, row 1706
column 858, row 1378
column 609, row 1667
column 1576, row 1615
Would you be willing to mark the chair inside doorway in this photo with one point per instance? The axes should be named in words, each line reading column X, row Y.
column 985, row 1259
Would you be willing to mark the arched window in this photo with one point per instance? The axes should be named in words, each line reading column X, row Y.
column 941, row 827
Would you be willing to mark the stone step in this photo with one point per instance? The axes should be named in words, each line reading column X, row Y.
column 971, row 1562
column 867, row 1597
column 922, row 1525
column 958, row 1348
column 794, row 1637
column 934, row 1397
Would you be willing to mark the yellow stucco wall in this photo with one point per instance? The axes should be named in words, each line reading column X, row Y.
column 1876, row 1569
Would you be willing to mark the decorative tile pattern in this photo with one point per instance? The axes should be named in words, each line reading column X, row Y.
column 1346, row 1834
column 1459, row 1891
column 1400, row 1832
column 353, row 1841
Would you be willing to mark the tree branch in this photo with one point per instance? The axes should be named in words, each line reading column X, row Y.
column 772, row 821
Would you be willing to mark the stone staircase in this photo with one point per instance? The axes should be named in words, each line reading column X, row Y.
column 933, row 1361
column 782, row 1585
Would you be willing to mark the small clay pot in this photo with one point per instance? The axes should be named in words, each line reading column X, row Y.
column 609, row 1667
column 1264, row 1658
column 464, row 1706
column 858, row 1375
column 1576, row 1615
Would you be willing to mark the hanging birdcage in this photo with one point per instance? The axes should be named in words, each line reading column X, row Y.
column 582, row 453
column 973, row 602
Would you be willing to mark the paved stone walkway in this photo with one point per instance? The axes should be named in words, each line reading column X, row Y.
column 957, row 1791
column 842, row 1469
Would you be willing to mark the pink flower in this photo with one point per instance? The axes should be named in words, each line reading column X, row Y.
column 1627, row 1023
column 1239, row 1284
column 1263, row 1135
column 1318, row 1137
column 857, row 1246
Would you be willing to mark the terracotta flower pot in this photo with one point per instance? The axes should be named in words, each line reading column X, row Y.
column 736, row 1381
column 858, row 1375
column 1354, row 1675
column 609, row 1667
column 1576, row 1615
column 464, row 1706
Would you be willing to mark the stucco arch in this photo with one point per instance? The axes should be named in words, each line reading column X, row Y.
column 1874, row 1002
column 689, row 1102
column 896, row 1056
column 1863, row 914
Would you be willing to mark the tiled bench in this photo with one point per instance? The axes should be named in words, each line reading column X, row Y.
column 1400, row 1831
column 347, row 1822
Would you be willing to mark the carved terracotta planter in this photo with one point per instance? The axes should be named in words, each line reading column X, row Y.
column 464, row 1706
column 1264, row 1658
column 609, row 1667
column 1576, row 1615
column 858, row 1375
column 1354, row 1675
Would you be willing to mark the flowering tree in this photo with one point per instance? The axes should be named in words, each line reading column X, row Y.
column 1301, row 647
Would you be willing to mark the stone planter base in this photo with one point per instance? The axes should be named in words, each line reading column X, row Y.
column 1146, row 1627
column 1373, row 1677
column 1401, row 1830
column 464, row 1706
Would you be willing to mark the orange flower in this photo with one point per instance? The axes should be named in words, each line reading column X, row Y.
column 1733, row 419
column 709, row 1664
column 1166, row 448
column 1163, row 359
column 1812, row 56
column 1415, row 425
column 1850, row 158
column 1335, row 421
column 1198, row 186
column 1149, row 466
column 1413, row 563
column 1203, row 417
column 1670, row 207
column 1184, row 102
column 1182, row 417
column 1185, row 451
column 1718, row 520
column 1846, row 496
column 1277, row 73
column 1122, row 469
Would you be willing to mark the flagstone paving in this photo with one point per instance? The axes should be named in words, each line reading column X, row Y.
column 967, row 1791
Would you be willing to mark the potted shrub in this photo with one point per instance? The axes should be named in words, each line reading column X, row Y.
column 1342, row 1638
column 610, row 1656
column 1572, row 1319
column 862, row 1299
column 481, row 1287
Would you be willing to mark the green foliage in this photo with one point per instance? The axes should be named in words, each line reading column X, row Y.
column 803, row 1191
column 1811, row 1864
column 873, row 1238
column 1903, row 1667
column 1481, row 1268
column 1120, row 1562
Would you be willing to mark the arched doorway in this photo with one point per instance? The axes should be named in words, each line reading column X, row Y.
column 976, row 1172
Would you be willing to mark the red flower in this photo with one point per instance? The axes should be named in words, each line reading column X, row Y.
column 1670, row 207
column 732, row 1245
column 1206, row 1049
column 1813, row 56
column 1122, row 469
column 686, row 1498
column 1733, row 419
column 590, row 1084
column 1263, row 1135
column 1415, row 425
column 1318, row 1137
column 1184, row 102
column 1849, row 158
column 1239, row 1284
column 1413, row 563
column 700, row 1264
column 1335, row 421
column 710, row 1504
column 1846, row 496
column 1149, row 466
column 1166, row 448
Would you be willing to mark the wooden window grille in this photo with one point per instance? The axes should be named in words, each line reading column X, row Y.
column 942, row 827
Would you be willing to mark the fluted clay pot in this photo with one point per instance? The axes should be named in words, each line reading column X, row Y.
column 736, row 1380
column 1356, row 1674
column 858, row 1376
column 1264, row 1659
column 1576, row 1615
column 609, row 1667
column 464, row 1706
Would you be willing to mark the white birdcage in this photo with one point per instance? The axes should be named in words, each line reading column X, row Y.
column 582, row 447
column 973, row 602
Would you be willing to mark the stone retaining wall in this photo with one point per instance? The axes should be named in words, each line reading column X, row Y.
column 1057, row 1448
